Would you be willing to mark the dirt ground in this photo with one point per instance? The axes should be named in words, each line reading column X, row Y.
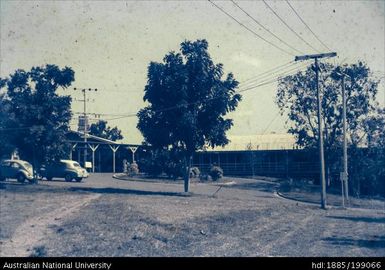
column 109, row 217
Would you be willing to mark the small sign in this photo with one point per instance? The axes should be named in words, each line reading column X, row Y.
column 88, row 165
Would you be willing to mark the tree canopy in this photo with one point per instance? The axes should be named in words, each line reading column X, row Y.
column 296, row 97
column 101, row 130
column 188, row 101
column 34, row 118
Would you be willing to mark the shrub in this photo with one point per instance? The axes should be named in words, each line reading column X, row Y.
column 205, row 177
column 174, row 168
column 194, row 172
column 216, row 173
column 163, row 161
column 134, row 169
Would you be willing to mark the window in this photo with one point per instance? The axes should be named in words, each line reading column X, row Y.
column 15, row 165
column 76, row 164
column 5, row 163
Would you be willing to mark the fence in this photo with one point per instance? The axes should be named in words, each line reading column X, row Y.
column 274, row 163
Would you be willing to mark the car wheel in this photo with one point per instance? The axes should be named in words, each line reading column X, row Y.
column 79, row 179
column 49, row 178
column 33, row 181
column 68, row 178
column 21, row 178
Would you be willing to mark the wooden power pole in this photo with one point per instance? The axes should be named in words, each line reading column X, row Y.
column 320, row 129
column 344, row 176
column 84, row 100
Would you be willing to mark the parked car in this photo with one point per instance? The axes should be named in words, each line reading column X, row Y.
column 67, row 169
column 16, row 169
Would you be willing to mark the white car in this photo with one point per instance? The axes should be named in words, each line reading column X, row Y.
column 67, row 169
column 17, row 169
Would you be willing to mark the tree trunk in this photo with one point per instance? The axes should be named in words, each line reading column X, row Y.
column 188, row 162
column 327, row 166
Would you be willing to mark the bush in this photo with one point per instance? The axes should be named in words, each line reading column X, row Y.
column 205, row 177
column 163, row 161
column 133, row 169
column 194, row 172
column 367, row 172
column 216, row 173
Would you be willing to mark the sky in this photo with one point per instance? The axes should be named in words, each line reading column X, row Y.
column 109, row 45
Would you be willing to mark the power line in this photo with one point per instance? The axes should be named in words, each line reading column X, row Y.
column 285, row 73
column 209, row 99
column 25, row 128
column 101, row 114
column 258, row 78
column 244, row 26
column 291, row 29
column 263, row 83
column 253, row 80
column 307, row 26
column 267, row 71
column 270, row 123
column 19, row 128
column 266, row 29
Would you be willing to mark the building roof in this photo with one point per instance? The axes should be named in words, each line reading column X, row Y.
column 93, row 137
column 271, row 141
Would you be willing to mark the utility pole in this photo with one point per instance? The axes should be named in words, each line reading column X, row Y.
column 345, row 142
column 84, row 100
column 320, row 129
column 344, row 174
column 345, row 150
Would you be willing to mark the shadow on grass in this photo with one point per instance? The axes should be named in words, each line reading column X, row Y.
column 15, row 183
column 39, row 251
column 126, row 191
column 266, row 187
column 375, row 242
column 15, row 187
column 362, row 219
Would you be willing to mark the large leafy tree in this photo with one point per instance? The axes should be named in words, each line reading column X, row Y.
column 296, row 97
column 5, row 147
column 188, row 101
column 37, row 118
column 375, row 129
column 101, row 130
column 367, row 166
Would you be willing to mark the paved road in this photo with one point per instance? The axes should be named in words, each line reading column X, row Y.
column 105, row 183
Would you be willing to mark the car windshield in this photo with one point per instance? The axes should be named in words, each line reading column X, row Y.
column 76, row 164
column 26, row 165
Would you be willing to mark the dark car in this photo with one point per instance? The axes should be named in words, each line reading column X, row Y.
column 67, row 169
column 16, row 169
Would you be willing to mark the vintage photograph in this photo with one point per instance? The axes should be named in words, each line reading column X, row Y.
column 192, row 129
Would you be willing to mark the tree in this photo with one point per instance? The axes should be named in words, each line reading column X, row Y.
column 101, row 130
column 188, row 103
column 375, row 127
column 5, row 148
column 367, row 166
column 296, row 97
column 37, row 118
